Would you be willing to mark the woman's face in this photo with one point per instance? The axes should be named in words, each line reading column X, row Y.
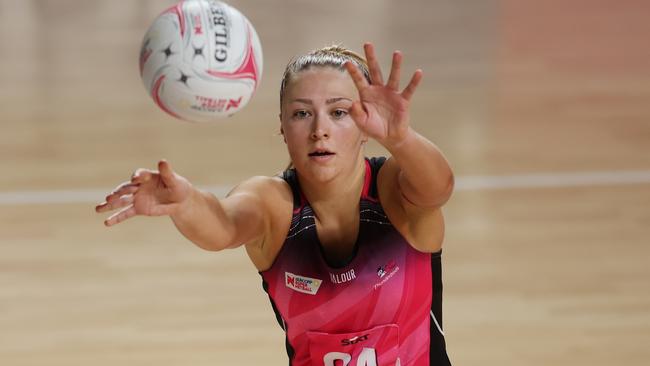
column 321, row 137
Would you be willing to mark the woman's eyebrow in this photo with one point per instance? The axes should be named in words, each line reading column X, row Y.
column 334, row 100
column 329, row 101
column 305, row 101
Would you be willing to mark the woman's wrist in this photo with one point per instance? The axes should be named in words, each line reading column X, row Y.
column 183, row 210
column 396, row 145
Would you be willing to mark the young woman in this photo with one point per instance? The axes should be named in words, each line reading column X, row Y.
column 348, row 247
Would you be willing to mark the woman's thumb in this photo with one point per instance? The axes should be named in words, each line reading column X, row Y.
column 166, row 173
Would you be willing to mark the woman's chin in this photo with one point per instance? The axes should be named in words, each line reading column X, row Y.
column 318, row 173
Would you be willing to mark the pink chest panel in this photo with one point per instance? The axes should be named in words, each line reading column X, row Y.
column 378, row 303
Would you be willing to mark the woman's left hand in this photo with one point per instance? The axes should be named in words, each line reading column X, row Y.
column 382, row 112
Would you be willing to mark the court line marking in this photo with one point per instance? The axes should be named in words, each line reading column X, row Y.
column 465, row 183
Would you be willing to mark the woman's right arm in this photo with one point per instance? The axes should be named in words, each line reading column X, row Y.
column 216, row 224
column 207, row 221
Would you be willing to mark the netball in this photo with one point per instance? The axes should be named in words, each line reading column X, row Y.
column 201, row 60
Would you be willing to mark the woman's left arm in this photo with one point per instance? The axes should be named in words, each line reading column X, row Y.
column 424, row 176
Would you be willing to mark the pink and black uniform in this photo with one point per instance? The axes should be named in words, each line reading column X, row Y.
column 382, row 307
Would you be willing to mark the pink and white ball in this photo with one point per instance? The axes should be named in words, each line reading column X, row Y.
column 201, row 60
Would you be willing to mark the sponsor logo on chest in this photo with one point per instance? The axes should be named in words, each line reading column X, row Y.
column 338, row 278
column 386, row 272
column 354, row 340
column 302, row 284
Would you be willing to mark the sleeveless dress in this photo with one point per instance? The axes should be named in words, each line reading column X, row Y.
column 382, row 307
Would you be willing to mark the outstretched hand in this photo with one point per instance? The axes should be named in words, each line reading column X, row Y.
column 382, row 112
column 148, row 193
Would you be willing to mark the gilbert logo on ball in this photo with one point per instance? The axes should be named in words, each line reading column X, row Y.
column 201, row 60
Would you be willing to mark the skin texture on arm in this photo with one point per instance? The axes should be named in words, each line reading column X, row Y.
column 425, row 178
column 217, row 224
column 423, row 227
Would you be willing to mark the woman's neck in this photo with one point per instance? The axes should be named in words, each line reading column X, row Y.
column 339, row 194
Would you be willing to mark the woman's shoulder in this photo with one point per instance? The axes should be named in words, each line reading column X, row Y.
column 272, row 189
column 274, row 197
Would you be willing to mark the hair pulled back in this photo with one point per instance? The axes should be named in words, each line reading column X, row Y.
column 333, row 56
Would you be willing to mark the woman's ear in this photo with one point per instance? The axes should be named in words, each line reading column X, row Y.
column 282, row 133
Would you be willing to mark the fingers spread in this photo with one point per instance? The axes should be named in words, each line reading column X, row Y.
column 125, row 188
column 413, row 84
column 373, row 66
column 117, row 198
column 101, row 207
column 357, row 76
column 115, row 203
column 393, row 79
column 120, row 216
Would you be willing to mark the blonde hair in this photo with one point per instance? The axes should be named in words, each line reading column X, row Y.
column 333, row 56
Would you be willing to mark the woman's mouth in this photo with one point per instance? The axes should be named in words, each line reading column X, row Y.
column 321, row 155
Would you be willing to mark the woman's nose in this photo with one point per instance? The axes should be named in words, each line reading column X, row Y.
column 319, row 134
column 320, row 128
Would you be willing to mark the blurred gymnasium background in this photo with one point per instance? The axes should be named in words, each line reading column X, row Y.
column 543, row 109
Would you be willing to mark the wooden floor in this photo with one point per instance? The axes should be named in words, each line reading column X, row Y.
column 534, row 275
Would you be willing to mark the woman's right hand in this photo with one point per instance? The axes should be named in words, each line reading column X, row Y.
column 148, row 193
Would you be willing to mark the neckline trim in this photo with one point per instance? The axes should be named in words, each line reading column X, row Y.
column 347, row 262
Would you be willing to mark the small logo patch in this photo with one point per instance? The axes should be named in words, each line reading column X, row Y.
column 388, row 268
column 302, row 284
column 354, row 340
column 386, row 272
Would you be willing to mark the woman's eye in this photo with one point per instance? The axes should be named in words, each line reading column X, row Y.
column 339, row 113
column 300, row 114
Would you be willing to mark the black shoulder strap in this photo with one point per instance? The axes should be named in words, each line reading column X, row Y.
column 291, row 178
column 375, row 165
